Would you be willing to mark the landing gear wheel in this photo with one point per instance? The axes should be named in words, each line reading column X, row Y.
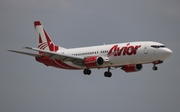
column 155, row 68
column 87, row 72
column 107, row 74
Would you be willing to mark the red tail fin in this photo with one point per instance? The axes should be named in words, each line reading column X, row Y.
column 44, row 41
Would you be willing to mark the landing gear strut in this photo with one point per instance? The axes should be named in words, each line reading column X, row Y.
column 108, row 73
column 87, row 72
column 155, row 68
column 155, row 63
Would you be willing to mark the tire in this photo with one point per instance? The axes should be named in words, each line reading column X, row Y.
column 155, row 68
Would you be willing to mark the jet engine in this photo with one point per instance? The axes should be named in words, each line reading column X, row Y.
column 93, row 61
column 132, row 68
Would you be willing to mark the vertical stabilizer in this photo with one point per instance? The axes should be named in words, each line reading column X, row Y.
column 44, row 41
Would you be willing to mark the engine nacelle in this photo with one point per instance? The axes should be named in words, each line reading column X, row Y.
column 93, row 61
column 132, row 68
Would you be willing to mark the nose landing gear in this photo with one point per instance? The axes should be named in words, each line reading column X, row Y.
column 155, row 63
column 155, row 68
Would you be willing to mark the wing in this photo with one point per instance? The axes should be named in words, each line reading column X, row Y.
column 26, row 53
column 77, row 60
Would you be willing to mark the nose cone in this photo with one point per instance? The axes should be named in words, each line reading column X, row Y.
column 167, row 52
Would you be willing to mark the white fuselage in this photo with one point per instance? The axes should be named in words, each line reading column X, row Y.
column 123, row 53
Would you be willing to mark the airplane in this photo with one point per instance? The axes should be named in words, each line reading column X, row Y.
column 129, row 56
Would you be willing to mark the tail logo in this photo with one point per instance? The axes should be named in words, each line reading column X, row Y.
column 43, row 45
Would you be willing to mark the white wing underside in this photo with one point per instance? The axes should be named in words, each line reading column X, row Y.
column 77, row 60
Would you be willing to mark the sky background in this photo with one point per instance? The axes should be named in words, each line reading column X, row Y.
column 28, row 86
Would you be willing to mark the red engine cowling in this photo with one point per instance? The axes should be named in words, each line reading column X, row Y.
column 132, row 68
column 93, row 61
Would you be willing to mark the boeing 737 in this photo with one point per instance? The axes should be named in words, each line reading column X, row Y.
column 128, row 56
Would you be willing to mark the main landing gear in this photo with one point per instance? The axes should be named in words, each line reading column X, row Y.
column 108, row 73
column 87, row 72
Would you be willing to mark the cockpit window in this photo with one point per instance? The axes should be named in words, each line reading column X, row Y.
column 162, row 46
column 154, row 46
column 158, row 46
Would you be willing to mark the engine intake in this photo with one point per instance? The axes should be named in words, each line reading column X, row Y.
column 93, row 61
column 132, row 68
